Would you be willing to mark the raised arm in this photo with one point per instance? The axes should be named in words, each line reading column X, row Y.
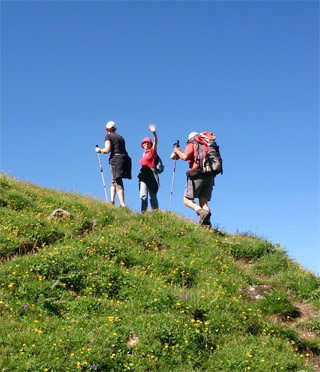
column 152, row 128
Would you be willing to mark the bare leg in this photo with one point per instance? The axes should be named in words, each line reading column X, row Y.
column 203, row 210
column 112, row 194
column 121, row 197
column 190, row 203
column 204, row 205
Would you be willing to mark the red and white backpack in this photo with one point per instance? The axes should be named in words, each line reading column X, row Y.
column 207, row 154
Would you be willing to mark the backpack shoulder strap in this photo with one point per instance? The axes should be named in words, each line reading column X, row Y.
column 154, row 157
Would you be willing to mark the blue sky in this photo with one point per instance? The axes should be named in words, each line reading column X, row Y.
column 247, row 71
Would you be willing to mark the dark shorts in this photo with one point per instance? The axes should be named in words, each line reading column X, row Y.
column 199, row 187
column 116, row 182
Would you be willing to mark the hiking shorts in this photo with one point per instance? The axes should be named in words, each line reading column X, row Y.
column 199, row 187
column 116, row 182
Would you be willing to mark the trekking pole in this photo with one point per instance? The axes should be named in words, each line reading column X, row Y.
column 101, row 170
column 174, row 172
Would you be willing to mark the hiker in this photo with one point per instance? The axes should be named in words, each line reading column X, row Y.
column 200, row 182
column 148, row 176
column 120, row 162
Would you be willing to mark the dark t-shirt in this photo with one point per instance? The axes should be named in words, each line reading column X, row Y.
column 118, row 145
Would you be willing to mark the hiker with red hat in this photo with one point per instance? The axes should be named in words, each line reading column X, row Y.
column 148, row 176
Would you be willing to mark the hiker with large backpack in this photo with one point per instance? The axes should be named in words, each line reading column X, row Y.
column 205, row 163
column 120, row 161
column 149, row 172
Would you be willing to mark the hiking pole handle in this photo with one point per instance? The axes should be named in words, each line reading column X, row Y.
column 174, row 156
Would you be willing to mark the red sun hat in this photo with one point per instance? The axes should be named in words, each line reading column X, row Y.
column 146, row 139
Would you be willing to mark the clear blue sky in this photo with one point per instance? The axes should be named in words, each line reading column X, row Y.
column 247, row 71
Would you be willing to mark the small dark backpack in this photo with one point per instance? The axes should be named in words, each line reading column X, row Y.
column 159, row 164
column 207, row 154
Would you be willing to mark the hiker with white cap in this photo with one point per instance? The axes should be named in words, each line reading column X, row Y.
column 120, row 162
column 148, row 176
column 198, row 185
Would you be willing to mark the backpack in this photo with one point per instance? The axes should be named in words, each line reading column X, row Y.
column 207, row 154
column 159, row 164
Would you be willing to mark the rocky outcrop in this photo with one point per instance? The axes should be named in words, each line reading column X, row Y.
column 256, row 292
column 59, row 213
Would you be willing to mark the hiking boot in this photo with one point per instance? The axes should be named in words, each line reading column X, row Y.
column 207, row 225
column 203, row 216
column 206, row 221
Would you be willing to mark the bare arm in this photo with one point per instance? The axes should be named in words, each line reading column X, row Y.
column 152, row 128
column 182, row 155
column 107, row 148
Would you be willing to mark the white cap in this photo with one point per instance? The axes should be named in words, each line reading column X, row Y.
column 192, row 134
column 111, row 124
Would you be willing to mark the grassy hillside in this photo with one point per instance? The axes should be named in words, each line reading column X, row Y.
column 109, row 290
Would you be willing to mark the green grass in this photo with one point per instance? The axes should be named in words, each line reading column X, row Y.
column 73, row 292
